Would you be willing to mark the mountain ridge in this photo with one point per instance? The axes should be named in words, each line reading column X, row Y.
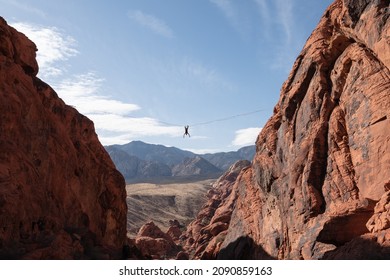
column 139, row 161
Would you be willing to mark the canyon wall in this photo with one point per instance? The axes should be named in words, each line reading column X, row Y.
column 60, row 194
column 319, row 184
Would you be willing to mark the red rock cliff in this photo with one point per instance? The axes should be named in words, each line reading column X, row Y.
column 204, row 235
column 320, row 181
column 60, row 194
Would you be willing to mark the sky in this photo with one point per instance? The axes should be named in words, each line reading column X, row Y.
column 143, row 69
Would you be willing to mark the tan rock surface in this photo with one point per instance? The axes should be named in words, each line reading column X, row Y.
column 60, row 194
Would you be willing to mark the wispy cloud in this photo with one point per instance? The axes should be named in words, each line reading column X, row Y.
column 25, row 7
column 151, row 22
column 246, row 136
column 287, row 49
column 54, row 47
column 133, row 127
column 285, row 16
column 227, row 8
column 263, row 9
column 278, row 27
column 112, row 118
column 82, row 91
column 191, row 70
column 277, row 13
column 235, row 19
column 180, row 76
column 266, row 18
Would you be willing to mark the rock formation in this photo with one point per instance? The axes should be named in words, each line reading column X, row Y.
column 205, row 234
column 203, row 237
column 153, row 243
column 174, row 230
column 60, row 194
column 318, row 185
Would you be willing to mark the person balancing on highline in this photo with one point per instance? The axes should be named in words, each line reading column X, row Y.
column 186, row 131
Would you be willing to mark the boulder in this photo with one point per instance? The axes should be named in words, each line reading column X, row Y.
column 153, row 242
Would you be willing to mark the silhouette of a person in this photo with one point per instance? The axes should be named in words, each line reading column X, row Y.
column 186, row 131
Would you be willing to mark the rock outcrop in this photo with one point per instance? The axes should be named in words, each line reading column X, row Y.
column 153, row 243
column 318, row 185
column 205, row 234
column 60, row 194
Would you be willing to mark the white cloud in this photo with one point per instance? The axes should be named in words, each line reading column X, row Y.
column 111, row 117
column 54, row 47
column 246, row 136
column 203, row 151
column 134, row 126
column 82, row 92
column 151, row 22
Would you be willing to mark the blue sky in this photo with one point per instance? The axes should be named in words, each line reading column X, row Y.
column 142, row 69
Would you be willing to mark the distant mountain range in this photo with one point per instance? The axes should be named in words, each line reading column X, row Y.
column 139, row 161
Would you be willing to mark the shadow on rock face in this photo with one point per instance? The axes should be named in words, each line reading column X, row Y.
column 359, row 249
column 244, row 248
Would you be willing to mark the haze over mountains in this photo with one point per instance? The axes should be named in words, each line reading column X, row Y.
column 139, row 161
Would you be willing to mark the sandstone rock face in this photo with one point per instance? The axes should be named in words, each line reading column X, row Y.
column 205, row 234
column 152, row 242
column 322, row 166
column 60, row 194
column 174, row 230
column 381, row 218
column 373, row 245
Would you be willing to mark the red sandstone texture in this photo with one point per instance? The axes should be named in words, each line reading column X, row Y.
column 203, row 237
column 153, row 243
column 205, row 234
column 319, row 184
column 60, row 194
